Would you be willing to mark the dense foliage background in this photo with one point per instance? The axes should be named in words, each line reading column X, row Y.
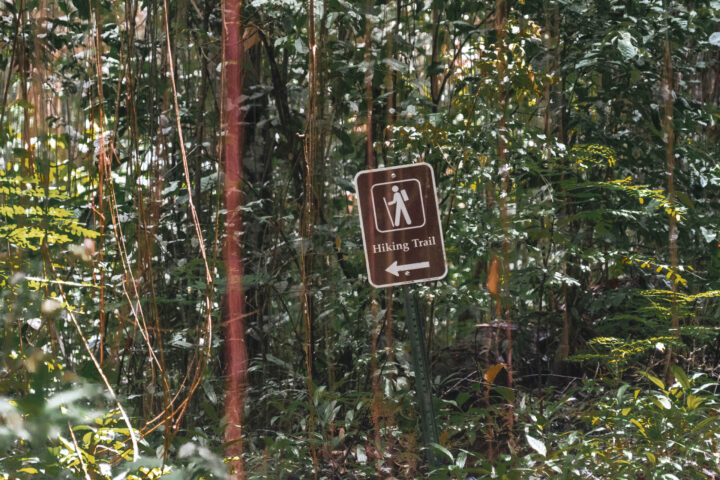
column 575, row 144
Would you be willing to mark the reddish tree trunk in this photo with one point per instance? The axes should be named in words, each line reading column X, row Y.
column 236, row 357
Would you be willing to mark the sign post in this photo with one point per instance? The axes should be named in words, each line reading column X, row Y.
column 421, row 367
column 403, row 242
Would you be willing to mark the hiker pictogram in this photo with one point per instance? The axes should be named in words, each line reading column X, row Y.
column 398, row 205
column 399, row 199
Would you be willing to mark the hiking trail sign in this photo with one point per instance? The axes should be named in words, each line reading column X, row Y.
column 400, row 225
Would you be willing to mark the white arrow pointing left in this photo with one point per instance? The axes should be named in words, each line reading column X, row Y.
column 395, row 269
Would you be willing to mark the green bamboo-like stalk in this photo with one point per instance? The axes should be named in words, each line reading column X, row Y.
column 420, row 366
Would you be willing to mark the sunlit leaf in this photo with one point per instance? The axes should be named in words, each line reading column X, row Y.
column 536, row 445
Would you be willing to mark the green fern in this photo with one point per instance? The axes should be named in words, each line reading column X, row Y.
column 32, row 215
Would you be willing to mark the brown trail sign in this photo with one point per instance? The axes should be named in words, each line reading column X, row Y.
column 401, row 225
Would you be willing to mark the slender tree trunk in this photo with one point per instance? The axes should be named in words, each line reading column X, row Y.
column 370, row 162
column 307, row 222
column 435, row 58
column 236, row 356
column 669, row 137
column 500, row 19
column 103, row 167
column 390, row 86
column 370, row 151
column 563, row 350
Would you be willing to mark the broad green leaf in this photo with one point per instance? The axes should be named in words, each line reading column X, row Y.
column 708, row 234
column 507, row 393
column 626, row 47
column 461, row 459
column 680, row 376
column 703, row 423
column 536, row 445
column 662, row 401
column 444, row 450
column 300, row 46
column 621, row 394
column 715, row 39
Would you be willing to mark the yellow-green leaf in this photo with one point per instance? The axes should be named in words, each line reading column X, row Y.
column 693, row 401
column 640, row 426
column 654, row 380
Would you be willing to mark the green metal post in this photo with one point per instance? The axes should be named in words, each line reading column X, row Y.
column 419, row 359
